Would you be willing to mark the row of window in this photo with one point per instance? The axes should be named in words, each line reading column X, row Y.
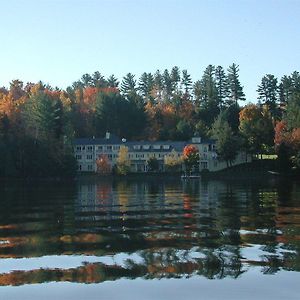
column 157, row 155
column 90, row 156
column 135, row 147
column 89, row 167
column 147, row 147
column 99, row 148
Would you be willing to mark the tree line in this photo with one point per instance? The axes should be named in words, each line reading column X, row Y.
column 38, row 122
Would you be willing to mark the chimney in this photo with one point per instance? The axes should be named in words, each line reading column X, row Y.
column 107, row 135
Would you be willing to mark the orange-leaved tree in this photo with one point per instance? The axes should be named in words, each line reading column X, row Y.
column 103, row 165
column 190, row 157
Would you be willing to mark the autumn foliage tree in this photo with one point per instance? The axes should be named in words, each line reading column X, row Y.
column 103, row 164
column 123, row 162
column 257, row 129
column 190, row 157
column 173, row 162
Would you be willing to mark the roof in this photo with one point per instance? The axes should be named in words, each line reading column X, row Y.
column 112, row 140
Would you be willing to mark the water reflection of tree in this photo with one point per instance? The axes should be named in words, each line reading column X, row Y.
column 179, row 229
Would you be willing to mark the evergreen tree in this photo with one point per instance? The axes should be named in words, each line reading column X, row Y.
column 197, row 90
column 208, row 105
column 43, row 116
column 227, row 145
column 98, row 80
column 292, row 114
column 267, row 90
column 158, row 84
column 209, row 89
column 175, row 78
column 295, row 77
column 186, row 81
column 128, row 84
column 87, row 80
column 112, row 81
column 168, row 86
column 235, row 90
column 221, row 85
column 146, row 84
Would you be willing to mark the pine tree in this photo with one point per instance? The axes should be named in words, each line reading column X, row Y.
column 235, row 90
column 128, row 84
column 268, row 90
column 186, row 81
column 168, row 87
column 146, row 84
column 175, row 78
column 285, row 89
column 98, row 80
column 221, row 85
column 197, row 90
column 87, row 80
column 112, row 81
column 158, row 84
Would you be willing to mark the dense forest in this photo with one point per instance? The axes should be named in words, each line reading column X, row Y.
column 38, row 122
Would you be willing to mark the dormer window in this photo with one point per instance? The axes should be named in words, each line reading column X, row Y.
column 166, row 147
column 156, row 147
column 136, row 147
column 146, row 147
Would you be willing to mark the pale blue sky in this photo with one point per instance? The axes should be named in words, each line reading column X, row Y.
column 57, row 41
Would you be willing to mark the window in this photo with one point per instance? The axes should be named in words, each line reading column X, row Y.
column 89, row 156
column 156, row 147
column 116, row 147
column 100, row 148
column 109, row 148
column 90, row 167
column 89, row 148
column 146, row 147
column 166, row 147
column 78, row 156
column 78, row 148
column 79, row 167
column 203, row 165
column 136, row 147
column 205, row 148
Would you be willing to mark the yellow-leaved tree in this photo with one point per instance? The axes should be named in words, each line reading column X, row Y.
column 173, row 162
column 123, row 163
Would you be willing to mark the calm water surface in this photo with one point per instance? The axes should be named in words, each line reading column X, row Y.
column 150, row 239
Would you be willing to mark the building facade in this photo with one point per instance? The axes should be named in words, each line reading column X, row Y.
column 87, row 150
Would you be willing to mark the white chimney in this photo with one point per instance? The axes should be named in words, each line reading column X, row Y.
column 107, row 135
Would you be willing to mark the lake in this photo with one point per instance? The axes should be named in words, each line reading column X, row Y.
column 150, row 238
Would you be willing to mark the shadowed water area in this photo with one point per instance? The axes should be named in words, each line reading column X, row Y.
column 146, row 238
